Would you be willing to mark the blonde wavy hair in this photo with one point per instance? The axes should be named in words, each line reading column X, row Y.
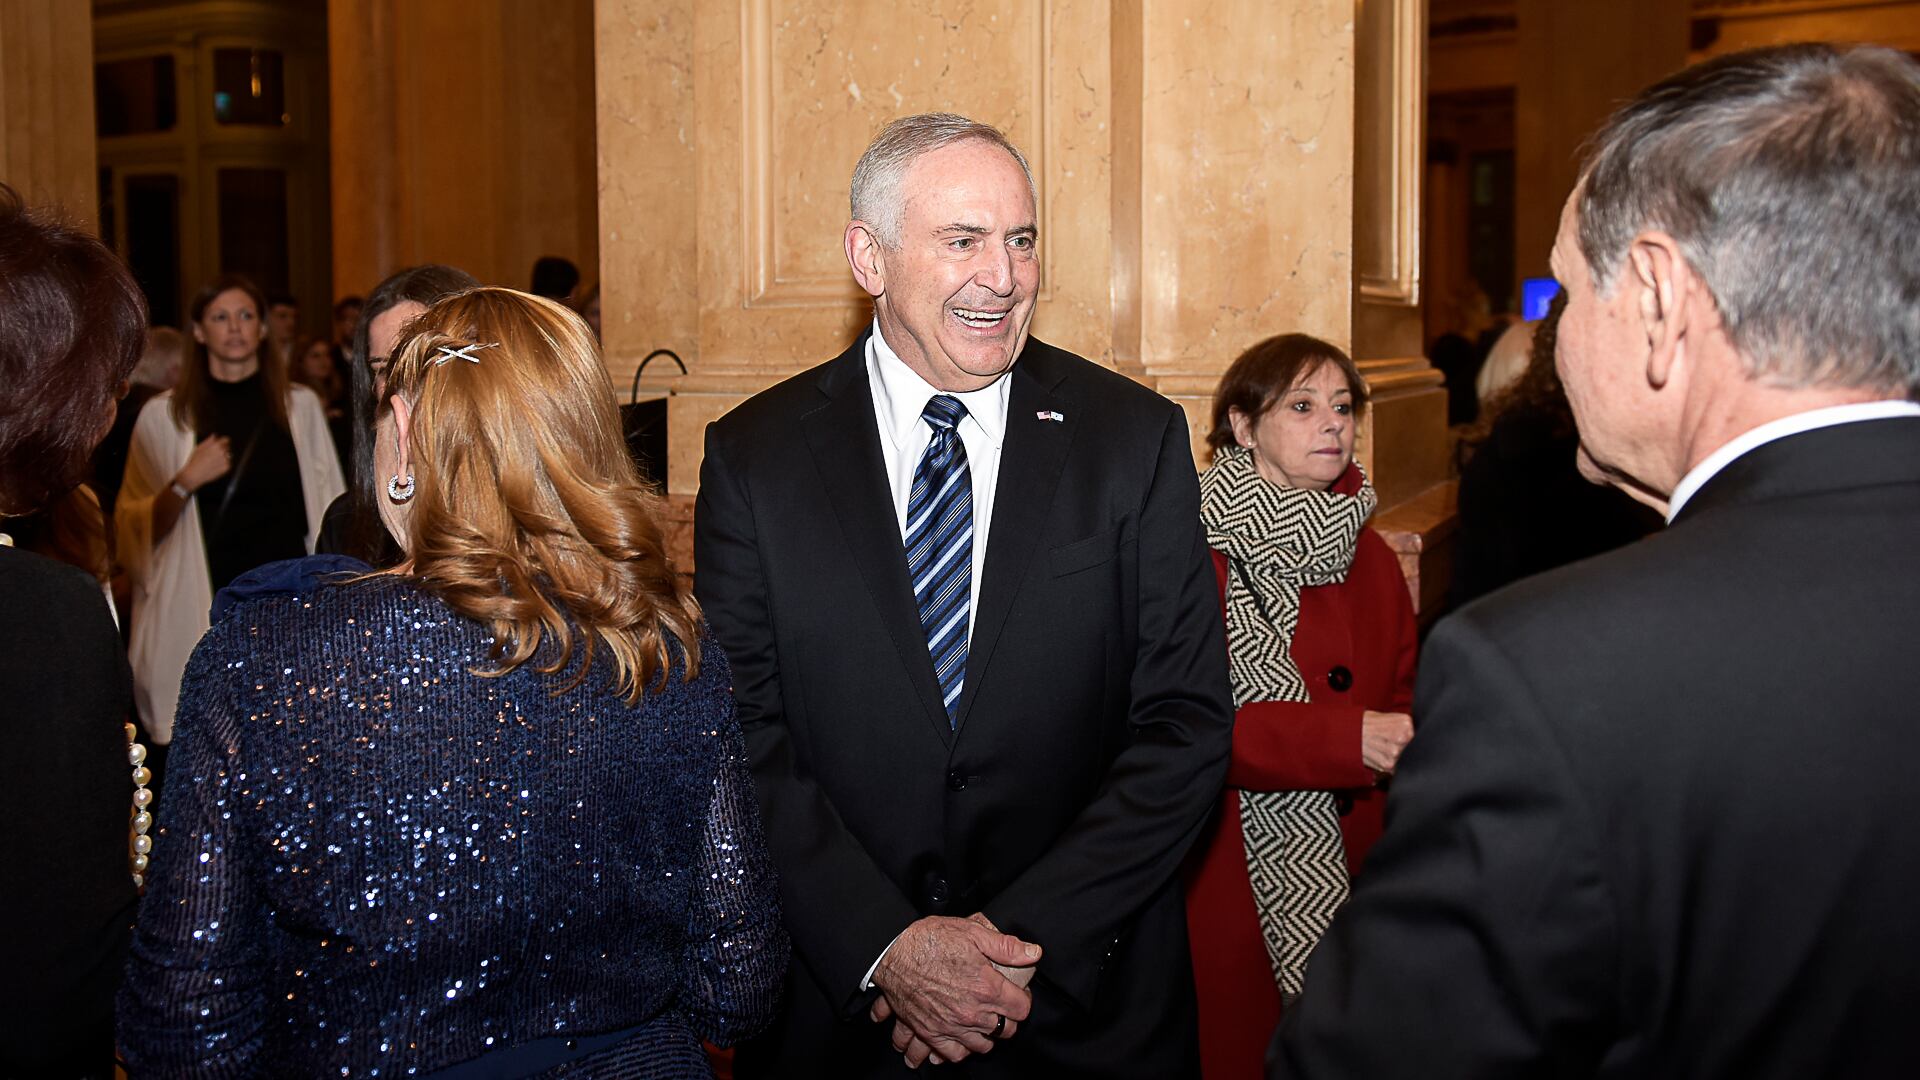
column 528, row 515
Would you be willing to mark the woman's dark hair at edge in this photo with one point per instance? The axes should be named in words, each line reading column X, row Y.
column 73, row 328
column 365, row 536
column 1259, row 377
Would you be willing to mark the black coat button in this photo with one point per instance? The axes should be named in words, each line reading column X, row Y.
column 1340, row 678
column 937, row 890
column 957, row 781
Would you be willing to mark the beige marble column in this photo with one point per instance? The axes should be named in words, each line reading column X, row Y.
column 1195, row 163
column 46, row 106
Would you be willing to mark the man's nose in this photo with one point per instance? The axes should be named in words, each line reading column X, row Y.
column 996, row 272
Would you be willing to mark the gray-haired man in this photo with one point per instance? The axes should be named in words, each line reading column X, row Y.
column 977, row 651
column 1659, row 818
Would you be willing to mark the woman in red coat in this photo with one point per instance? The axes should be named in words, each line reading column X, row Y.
column 1321, row 641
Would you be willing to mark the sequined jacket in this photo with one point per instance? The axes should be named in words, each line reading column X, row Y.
column 371, row 862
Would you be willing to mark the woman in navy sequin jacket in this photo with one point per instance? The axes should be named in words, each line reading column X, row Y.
column 486, row 814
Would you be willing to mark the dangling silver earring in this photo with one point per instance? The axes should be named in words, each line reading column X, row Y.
column 398, row 491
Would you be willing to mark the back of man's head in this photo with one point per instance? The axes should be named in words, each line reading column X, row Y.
column 1790, row 177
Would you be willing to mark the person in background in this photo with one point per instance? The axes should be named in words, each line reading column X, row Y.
column 157, row 371
column 65, row 691
column 346, row 316
column 316, row 366
column 555, row 278
column 1321, row 642
column 351, row 525
column 1504, row 363
column 229, row 470
column 1524, row 507
column 283, row 325
column 539, row 851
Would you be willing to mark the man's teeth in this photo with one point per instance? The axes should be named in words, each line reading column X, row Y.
column 979, row 318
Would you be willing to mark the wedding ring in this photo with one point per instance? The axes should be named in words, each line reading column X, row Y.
column 999, row 1027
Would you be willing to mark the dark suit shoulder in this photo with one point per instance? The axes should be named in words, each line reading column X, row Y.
column 1095, row 383
column 796, row 395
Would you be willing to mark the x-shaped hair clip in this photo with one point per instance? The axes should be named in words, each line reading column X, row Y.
column 464, row 352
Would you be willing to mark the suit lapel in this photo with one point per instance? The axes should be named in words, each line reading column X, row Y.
column 1031, row 460
column 845, row 441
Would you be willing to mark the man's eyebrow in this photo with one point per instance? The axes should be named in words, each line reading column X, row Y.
column 972, row 230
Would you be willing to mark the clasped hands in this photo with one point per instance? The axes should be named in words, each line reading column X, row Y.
column 946, row 983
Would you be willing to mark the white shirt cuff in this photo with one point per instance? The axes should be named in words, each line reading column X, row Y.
column 866, row 981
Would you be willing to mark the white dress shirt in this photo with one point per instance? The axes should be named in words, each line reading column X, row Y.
column 1810, row 420
column 900, row 395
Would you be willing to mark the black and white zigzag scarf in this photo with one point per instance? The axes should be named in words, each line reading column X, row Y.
column 1279, row 540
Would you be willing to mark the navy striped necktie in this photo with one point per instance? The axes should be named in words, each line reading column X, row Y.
column 940, row 547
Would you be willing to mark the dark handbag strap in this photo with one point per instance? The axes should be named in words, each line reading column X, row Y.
column 233, row 482
column 633, row 392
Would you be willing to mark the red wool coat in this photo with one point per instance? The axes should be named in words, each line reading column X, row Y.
column 1360, row 632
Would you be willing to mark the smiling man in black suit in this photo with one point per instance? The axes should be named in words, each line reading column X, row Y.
column 976, row 649
column 1659, row 821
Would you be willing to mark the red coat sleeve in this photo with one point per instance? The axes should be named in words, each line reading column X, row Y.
column 1296, row 745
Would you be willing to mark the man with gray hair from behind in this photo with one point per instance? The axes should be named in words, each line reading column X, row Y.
column 1659, row 818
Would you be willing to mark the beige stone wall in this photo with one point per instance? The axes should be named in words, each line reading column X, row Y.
column 46, row 105
column 463, row 133
column 1195, row 166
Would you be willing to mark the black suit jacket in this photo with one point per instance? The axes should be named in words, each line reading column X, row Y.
column 1658, row 820
column 1093, row 729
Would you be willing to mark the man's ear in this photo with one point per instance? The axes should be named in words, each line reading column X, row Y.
column 1663, row 283
column 868, row 257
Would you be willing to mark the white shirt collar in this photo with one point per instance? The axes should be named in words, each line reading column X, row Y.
column 1810, row 420
column 901, row 395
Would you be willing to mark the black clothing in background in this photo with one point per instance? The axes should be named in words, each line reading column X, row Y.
column 1525, row 508
column 266, row 519
column 110, row 457
column 336, row 536
column 1458, row 361
column 65, row 794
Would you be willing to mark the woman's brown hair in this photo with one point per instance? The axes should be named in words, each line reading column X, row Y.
column 72, row 323
column 193, row 398
column 1259, row 377
column 528, row 515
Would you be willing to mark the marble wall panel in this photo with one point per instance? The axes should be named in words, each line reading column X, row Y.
column 649, row 238
column 1247, row 135
column 46, row 106
column 787, row 93
column 463, row 133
